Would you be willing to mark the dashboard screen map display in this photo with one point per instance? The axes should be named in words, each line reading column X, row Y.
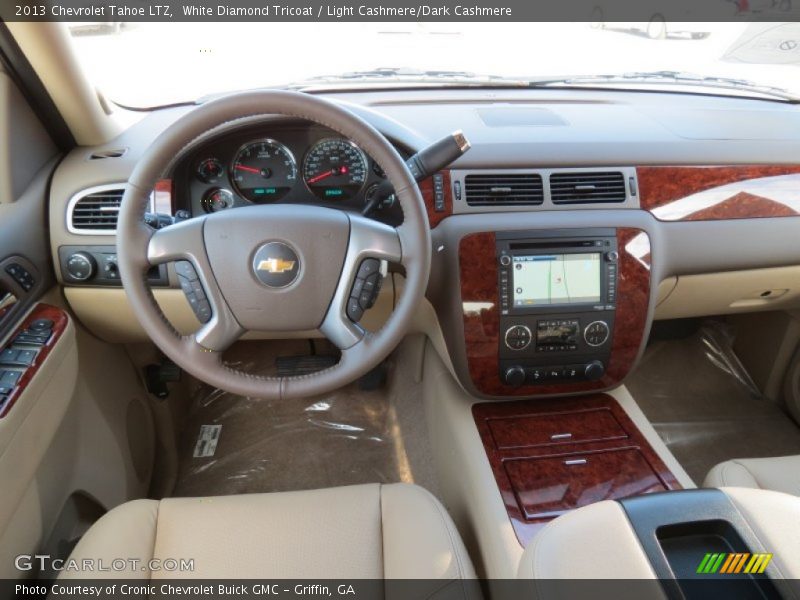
column 547, row 279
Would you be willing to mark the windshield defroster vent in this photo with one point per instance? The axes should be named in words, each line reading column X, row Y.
column 499, row 189
column 95, row 211
column 587, row 188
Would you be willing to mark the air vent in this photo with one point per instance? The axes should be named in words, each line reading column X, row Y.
column 587, row 188
column 95, row 211
column 111, row 153
column 510, row 189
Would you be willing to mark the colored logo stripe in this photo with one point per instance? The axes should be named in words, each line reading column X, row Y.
column 731, row 563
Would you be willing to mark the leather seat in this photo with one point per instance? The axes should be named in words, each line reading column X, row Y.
column 781, row 474
column 355, row 532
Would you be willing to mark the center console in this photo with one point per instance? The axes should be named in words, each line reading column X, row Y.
column 553, row 311
column 558, row 299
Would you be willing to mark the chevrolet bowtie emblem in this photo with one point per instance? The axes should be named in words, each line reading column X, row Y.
column 275, row 265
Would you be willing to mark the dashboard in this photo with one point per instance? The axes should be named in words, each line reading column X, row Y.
column 700, row 188
column 294, row 163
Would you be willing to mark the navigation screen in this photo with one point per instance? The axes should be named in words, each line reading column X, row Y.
column 547, row 279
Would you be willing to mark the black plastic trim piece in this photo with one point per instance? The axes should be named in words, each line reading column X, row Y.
column 691, row 512
column 16, row 65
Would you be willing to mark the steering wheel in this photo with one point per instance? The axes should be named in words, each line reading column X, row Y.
column 274, row 268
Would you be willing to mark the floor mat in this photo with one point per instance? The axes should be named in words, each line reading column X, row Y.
column 704, row 406
column 346, row 437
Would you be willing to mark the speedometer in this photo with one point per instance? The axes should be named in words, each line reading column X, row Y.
column 263, row 171
column 335, row 169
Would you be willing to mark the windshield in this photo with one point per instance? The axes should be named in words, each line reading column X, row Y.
column 152, row 64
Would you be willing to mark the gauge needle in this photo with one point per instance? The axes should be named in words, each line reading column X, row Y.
column 249, row 169
column 322, row 176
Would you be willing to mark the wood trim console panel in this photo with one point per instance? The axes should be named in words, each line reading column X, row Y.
column 550, row 456
column 692, row 193
column 41, row 312
column 481, row 315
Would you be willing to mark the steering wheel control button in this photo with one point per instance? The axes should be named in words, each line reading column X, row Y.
column 369, row 266
column 365, row 290
column 203, row 311
column 185, row 269
column 276, row 265
column 354, row 310
column 596, row 333
column 193, row 290
column 518, row 337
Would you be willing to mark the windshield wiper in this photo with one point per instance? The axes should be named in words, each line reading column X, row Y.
column 670, row 78
column 395, row 75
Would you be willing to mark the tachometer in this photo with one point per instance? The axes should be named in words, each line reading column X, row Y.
column 335, row 169
column 263, row 171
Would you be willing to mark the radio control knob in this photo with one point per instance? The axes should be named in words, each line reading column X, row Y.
column 596, row 333
column 505, row 260
column 81, row 266
column 518, row 337
column 612, row 256
column 515, row 376
column 594, row 370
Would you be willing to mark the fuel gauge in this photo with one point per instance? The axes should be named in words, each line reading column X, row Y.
column 209, row 170
column 216, row 200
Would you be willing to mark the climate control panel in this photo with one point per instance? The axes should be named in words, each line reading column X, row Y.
column 547, row 349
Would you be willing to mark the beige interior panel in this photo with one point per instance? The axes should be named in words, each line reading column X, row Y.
column 732, row 292
column 467, row 485
column 665, row 288
column 594, row 542
column 774, row 517
column 107, row 313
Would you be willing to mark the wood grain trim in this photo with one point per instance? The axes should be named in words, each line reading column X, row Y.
column 692, row 193
column 527, row 475
column 481, row 316
column 426, row 187
column 60, row 321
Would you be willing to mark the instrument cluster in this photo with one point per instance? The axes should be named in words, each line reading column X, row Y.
column 301, row 163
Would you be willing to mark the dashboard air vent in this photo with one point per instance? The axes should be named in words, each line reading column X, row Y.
column 96, row 211
column 510, row 189
column 587, row 188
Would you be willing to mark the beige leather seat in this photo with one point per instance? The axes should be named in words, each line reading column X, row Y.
column 781, row 474
column 363, row 531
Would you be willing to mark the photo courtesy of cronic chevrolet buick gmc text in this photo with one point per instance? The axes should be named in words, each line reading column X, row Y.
column 403, row 309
